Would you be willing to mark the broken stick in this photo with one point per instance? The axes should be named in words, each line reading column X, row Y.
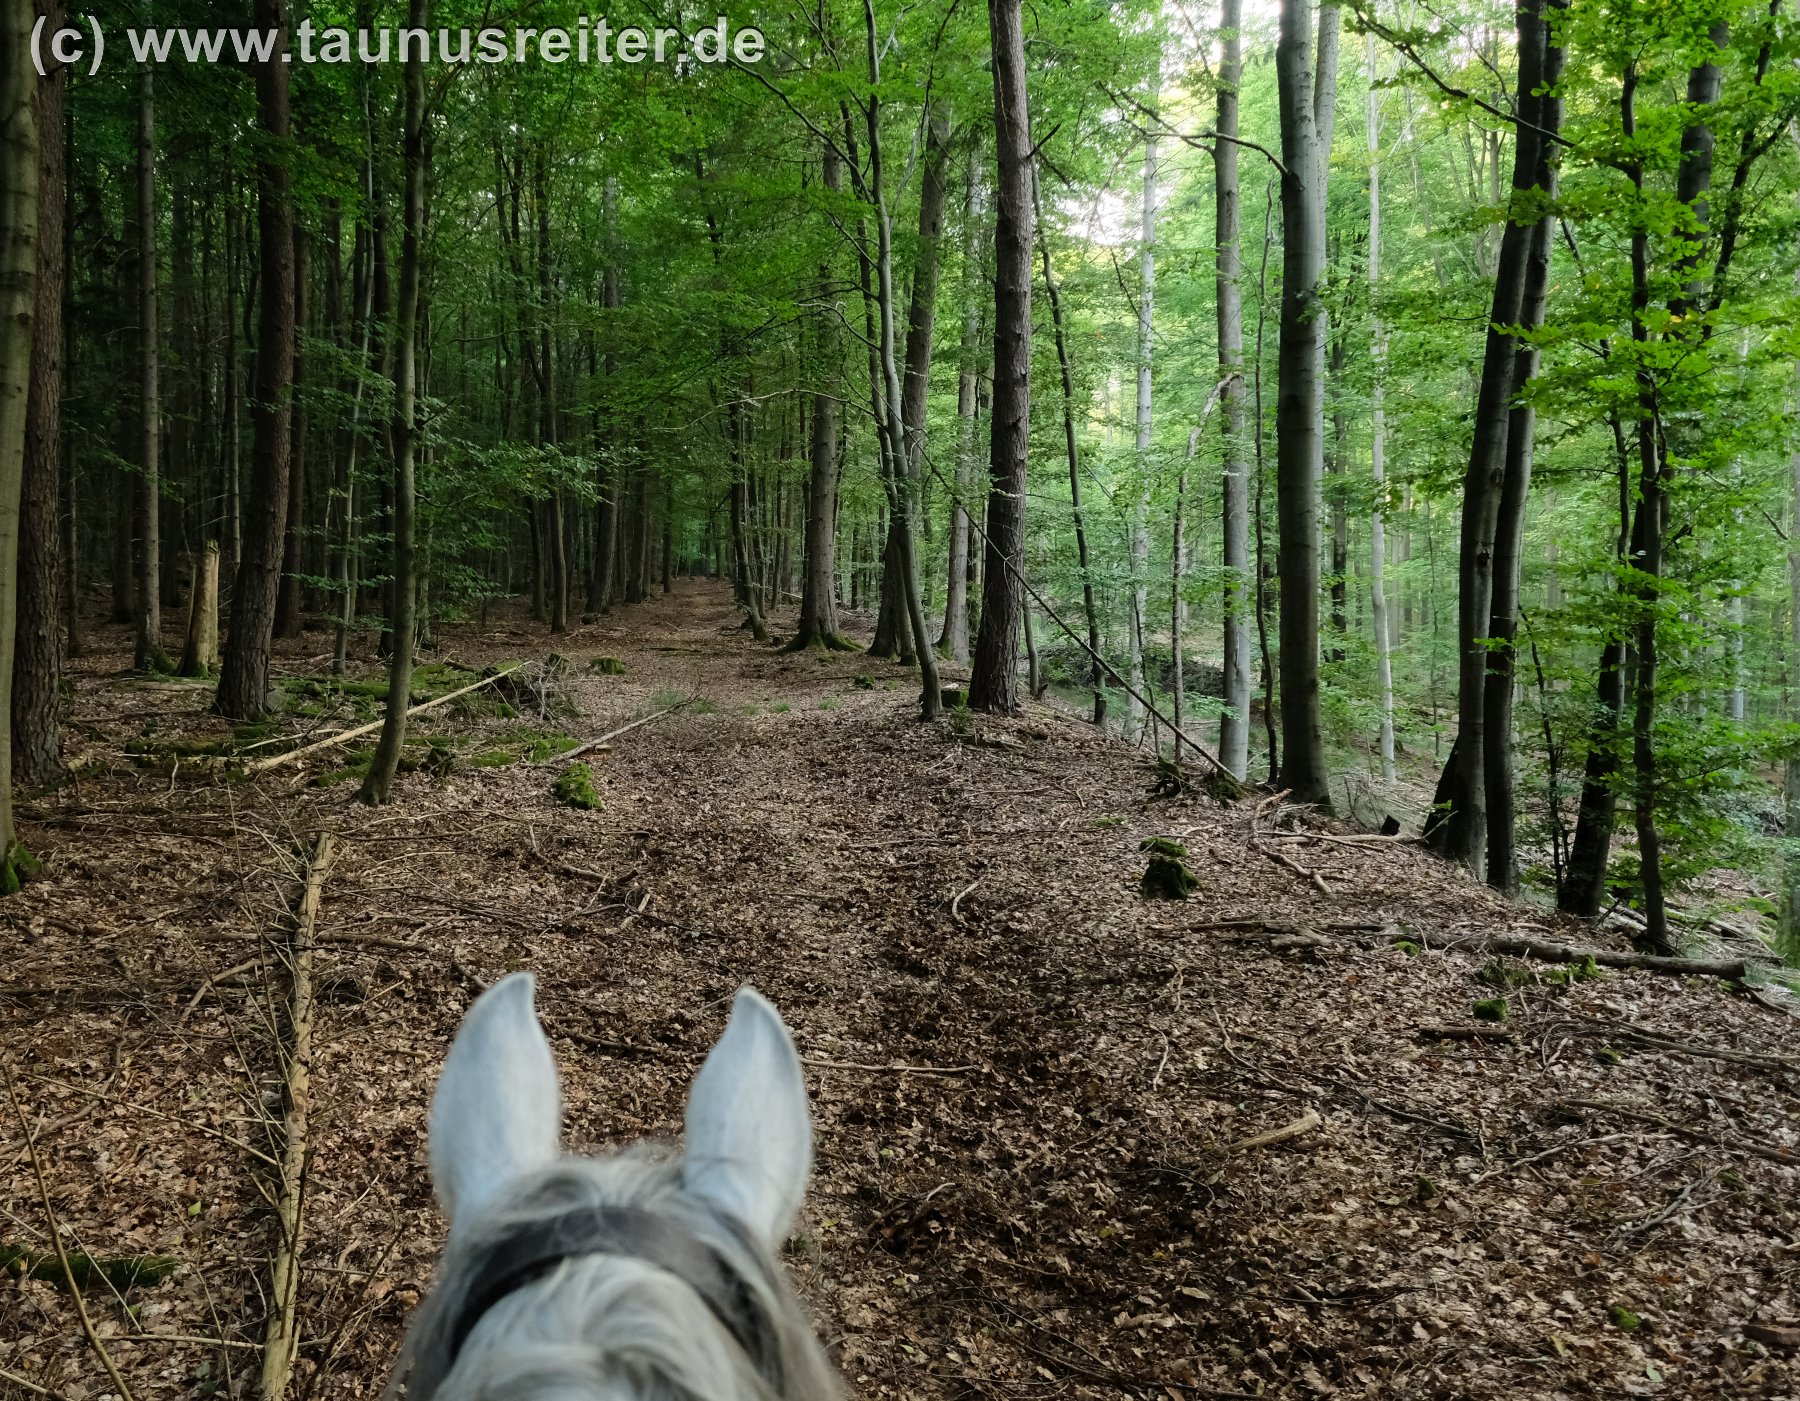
column 1306, row 1123
column 281, row 1341
column 594, row 744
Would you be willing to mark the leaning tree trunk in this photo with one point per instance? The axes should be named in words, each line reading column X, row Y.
column 379, row 780
column 38, row 650
column 18, row 296
column 1457, row 828
column 244, row 672
column 1240, row 603
column 1299, row 409
column 148, row 654
column 994, row 680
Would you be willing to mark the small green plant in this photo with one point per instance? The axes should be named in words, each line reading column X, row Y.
column 863, row 683
column 780, row 708
column 1505, row 976
column 1606, row 1055
column 607, row 666
column 1491, row 1010
column 1624, row 1319
column 548, row 746
column 1109, row 821
column 574, row 787
column 828, row 703
column 700, row 705
column 1407, row 947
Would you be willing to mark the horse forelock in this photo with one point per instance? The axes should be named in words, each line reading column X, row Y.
column 607, row 1326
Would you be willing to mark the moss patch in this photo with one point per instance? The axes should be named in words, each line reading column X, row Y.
column 1168, row 876
column 575, row 788
column 120, row 1272
column 1491, row 1010
column 607, row 666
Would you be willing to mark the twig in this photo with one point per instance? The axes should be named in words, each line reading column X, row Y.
column 211, row 982
column 331, row 741
column 954, row 913
column 888, row 1069
column 1287, row 861
column 62, row 1253
column 1737, row 1145
column 1520, row 946
column 281, row 1341
column 594, row 744
column 27, row 1383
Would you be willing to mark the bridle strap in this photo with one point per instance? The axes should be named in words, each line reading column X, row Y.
column 632, row 1233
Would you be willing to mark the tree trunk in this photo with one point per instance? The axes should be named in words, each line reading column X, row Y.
column 38, row 650
column 1089, row 607
column 148, row 654
column 1378, row 608
column 1457, row 828
column 1299, row 423
column 818, row 625
column 1139, row 541
column 994, row 683
column 18, row 296
column 200, row 652
column 379, row 780
column 902, row 443
column 293, row 564
column 953, row 641
column 1239, row 603
column 244, row 674
column 1521, row 430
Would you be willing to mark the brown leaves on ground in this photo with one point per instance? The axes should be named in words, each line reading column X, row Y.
column 1055, row 1214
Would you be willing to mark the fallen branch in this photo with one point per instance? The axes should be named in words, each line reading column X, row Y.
column 331, row 741
column 1768, row 1151
column 1465, row 1033
column 1518, row 946
column 1306, row 1123
column 1658, row 1041
column 212, row 982
column 62, row 1253
column 281, row 1341
column 1290, row 864
column 594, row 744
column 888, row 1069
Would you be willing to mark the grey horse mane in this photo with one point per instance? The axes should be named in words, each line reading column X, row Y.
column 605, row 1326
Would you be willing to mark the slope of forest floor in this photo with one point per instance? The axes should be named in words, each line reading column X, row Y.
column 1038, row 1096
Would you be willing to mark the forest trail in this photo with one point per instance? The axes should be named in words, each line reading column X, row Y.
column 1038, row 1096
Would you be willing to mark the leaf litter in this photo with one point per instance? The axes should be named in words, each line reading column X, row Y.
column 1071, row 1142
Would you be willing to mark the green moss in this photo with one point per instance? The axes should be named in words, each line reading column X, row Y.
column 575, row 788
column 1492, row 1010
column 1505, row 976
column 1606, row 1055
column 863, row 683
column 493, row 759
column 1108, row 822
column 1168, row 876
column 548, row 746
column 780, row 708
column 607, row 666
column 120, row 1272
column 1624, row 1319
column 1407, row 947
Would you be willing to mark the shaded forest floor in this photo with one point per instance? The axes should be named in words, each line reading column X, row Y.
column 1033, row 1088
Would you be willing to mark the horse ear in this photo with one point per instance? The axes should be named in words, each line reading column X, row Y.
column 749, row 1134
column 498, row 1107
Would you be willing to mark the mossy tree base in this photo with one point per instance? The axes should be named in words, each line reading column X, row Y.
column 1168, row 876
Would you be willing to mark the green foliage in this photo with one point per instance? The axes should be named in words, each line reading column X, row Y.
column 1490, row 1010
column 88, row 1272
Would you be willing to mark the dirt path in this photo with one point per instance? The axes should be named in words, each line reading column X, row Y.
column 1027, row 1079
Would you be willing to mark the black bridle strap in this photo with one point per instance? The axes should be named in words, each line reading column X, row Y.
column 533, row 1250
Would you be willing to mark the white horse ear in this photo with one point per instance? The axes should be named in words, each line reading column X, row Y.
column 498, row 1107
column 749, row 1134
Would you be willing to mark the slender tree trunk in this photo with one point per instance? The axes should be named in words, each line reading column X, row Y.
column 293, row 564
column 378, row 783
column 1378, row 607
column 1457, row 828
column 1521, row 429
column 1140, row 517
column 1240, row 587
column 902, row 444
column 1090, row 609
column 819, row 625
column 1299, row 436
column 244, row 674
column 994, row 682
column 18, row 297
column 71, row 481
column 953, row 641
column 149, row 654
column 38, row 651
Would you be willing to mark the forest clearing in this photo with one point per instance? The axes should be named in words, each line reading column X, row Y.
column 1039, row 1096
